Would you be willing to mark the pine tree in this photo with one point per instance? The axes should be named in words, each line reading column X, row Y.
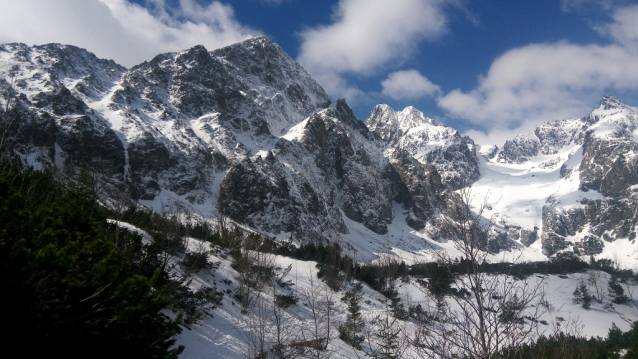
column 387, row 335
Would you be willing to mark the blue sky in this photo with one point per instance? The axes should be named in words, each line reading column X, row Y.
column 490, row 68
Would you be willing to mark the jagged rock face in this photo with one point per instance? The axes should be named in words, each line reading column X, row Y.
column 48, row 119
column 179, row 122
column 556, row 134
column 609, row 164
column 254, row 87
column 609, row 167
column 518, row 150
column 322, row 167
column 173, row 123
column 443, row 148
column 207, row 109
column 416, row 186
column 327, row 165
column 606, row 220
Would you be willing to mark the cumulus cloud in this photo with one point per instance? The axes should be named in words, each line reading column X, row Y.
column 408, row 85
column 120, row 30
column 543, row 81
column 365, row 36
column 624, row 29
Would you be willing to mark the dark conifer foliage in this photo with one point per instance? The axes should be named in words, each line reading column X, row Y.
column 563, row 346
column 616, row 291
column 73, row 285
column 582, row 296
column 350, row 331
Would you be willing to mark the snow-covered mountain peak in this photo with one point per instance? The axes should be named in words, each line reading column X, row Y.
column 610, row 103
column 246, row 123
column 411, row 134
column 410, row 117
column 612, row 115
column 384, row 121
column 51, row 67
column 390, row 124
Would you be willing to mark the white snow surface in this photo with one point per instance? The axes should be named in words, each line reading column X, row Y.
column 224, row 334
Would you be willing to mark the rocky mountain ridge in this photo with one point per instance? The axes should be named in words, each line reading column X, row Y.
column 594, row 202
column 244, row 131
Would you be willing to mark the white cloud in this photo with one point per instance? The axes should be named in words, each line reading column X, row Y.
column 624, row 29
column 408, row 85
column 498, row 136
column 120, row 30
column 365, row 36
column 543, row 81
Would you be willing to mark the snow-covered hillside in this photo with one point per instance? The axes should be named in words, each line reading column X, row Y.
column 232, row 331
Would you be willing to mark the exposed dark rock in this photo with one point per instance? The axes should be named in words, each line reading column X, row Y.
column 519, row 149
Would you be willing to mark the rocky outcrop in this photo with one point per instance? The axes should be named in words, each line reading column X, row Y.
column 330, row 164
column 519, row 149
column 608, row 167
column 441, row 147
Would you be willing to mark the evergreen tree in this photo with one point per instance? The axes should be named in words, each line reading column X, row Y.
column 616, row 291
column 387, row 335
column 631, row 338
column 582, row 296
column 350, row 331
column 72, row 281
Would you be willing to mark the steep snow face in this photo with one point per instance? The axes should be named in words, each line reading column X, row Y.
column 410, row 133
column 571, row 184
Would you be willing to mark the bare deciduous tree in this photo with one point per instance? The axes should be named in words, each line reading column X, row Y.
column 488, row 312
column 320, row 301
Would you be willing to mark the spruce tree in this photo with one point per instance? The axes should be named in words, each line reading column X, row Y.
column 582, row 296
column 387, row 335
column 616, row 291
column 350, row 331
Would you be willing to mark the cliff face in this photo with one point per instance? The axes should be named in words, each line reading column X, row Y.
column 582, row 175
column 608, row 167
column 243, row 130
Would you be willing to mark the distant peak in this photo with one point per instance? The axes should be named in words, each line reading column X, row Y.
column 197, row 53
column 197, row 48
column 412, row 117
column 610, row 102
column 261, row 39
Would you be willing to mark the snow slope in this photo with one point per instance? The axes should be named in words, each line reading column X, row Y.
column 226, row 333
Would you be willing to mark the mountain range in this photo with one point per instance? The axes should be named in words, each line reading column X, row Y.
column 246, row 133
